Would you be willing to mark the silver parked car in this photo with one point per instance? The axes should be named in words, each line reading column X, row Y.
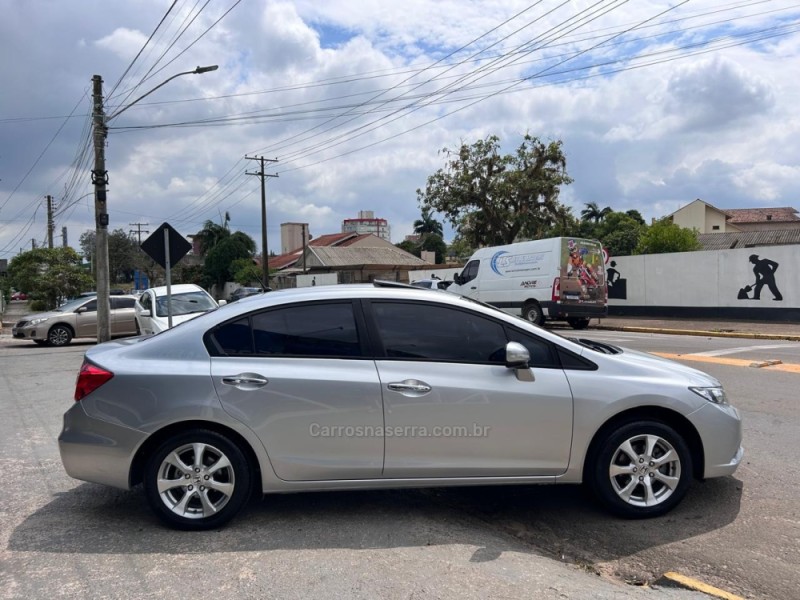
column 386, row 386
column 76, row 319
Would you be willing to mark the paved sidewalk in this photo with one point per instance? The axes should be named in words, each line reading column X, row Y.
column 742, row 329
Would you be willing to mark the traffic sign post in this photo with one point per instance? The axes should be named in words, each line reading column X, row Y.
column 166, row 246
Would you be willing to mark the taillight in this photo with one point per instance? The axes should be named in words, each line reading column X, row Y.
column 90, row 377
column 556, row 289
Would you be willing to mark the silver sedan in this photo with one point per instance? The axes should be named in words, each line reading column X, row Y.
column 386, row 386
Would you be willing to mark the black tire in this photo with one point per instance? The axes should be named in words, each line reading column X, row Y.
column 612, row 489
column 227, row 489
column 579, row 322
column 59, row 335
column 138, row 329
column 533, row 312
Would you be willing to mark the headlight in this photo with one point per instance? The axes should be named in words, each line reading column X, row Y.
column 37, row 321
column 712, row 394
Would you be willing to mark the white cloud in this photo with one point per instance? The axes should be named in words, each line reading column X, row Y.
column 720, row 126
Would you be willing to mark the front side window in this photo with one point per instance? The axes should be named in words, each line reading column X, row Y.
column 541, row 351
column 327, row 330
column 145, row 301
column 470, row 271
column 91, row 306
column 431, row 332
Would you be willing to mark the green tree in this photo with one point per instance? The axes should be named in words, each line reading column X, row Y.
column 594, row 213
column 410, row 247
column 434, row 243
column 220, row 258
column 460, row 249
column 494, row 199
column 665, row 236
column 124, row 254
column 635, row 215
column 246, row 271
column 619, row 233
column 427, row 224
column 212, row 234
column 49, row 275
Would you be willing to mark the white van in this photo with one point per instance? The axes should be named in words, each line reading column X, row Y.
column 557, row 278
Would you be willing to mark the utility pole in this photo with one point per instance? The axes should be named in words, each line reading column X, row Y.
column 138, row 230
column 64, row 236
column 50, row 224
column 33, row 243
column 100, row 180
column 264, row 251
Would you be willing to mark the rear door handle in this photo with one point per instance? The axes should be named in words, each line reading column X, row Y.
column 412, row 387
column 246, row 381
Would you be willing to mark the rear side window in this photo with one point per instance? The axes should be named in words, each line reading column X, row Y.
column 122, row 302
column 232, row 339
column 327, row 330
column 438, row 333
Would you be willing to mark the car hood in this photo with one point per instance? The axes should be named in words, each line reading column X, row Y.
column 44, row 315
column 176, row 319
column 655, row 365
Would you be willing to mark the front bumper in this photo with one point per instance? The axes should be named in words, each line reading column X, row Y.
column 96, row 450
column 35, row 332
column 720, row 429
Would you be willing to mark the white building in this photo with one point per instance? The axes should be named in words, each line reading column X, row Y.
column 367, row 223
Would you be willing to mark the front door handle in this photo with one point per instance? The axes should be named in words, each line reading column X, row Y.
column 410, row 387
column 246, row 381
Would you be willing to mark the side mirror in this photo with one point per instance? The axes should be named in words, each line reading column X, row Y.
column 457, row 279
column 517, row 356
column 222, row 302
column 81, row 310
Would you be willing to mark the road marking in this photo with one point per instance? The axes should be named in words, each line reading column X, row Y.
column 733, row 362
column 697, row 585
column 738, row 350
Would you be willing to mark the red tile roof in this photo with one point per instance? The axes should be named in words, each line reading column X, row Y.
column 759, row 215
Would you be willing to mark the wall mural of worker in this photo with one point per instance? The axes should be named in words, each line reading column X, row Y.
column 764, row 270
column 617, row 286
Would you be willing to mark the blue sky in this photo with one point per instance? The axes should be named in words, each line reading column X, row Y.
column 350, row 97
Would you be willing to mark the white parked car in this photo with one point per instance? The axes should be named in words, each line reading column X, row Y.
column 188, row 301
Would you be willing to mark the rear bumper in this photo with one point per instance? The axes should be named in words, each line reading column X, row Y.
column 559, row 310
column 97, row 451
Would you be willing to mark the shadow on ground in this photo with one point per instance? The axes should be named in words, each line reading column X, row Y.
column 557, row 521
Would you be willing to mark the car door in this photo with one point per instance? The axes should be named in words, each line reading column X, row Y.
column 86, row 319
column 123, row 315
column 298, row 375
column 143, row 312
column 453, row 409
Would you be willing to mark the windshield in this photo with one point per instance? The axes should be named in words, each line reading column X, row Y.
column 184, row 304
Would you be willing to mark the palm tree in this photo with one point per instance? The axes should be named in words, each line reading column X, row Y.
column 212, row 234
column 427, row 224
column 593, row 212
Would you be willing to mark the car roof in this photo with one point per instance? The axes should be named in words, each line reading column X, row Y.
column 179, row 288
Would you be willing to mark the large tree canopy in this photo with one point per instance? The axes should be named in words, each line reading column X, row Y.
column 221, row 258
column 124, row 255
column 666, row 236
column 49, row 274
column 494, row 199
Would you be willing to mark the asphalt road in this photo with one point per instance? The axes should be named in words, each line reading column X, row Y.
column 64, row 538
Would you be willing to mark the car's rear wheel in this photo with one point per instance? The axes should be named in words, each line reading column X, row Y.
column 642, row 469
column 196, row 480
column 60, row 335
column 533, row 313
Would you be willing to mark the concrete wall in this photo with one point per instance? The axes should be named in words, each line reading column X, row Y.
column 706, row 284
column 446, row 274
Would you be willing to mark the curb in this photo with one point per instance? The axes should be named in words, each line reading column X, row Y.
column 698, row 332
column 673, row 579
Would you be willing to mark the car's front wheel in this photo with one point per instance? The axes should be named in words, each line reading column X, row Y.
column 197, row 480
column 642, row 469
column 60, row 335
column 578, row 322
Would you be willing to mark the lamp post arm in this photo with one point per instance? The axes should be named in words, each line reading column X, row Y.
column 197, row 71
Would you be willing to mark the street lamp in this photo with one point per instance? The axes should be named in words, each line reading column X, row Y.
column 100, row 180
